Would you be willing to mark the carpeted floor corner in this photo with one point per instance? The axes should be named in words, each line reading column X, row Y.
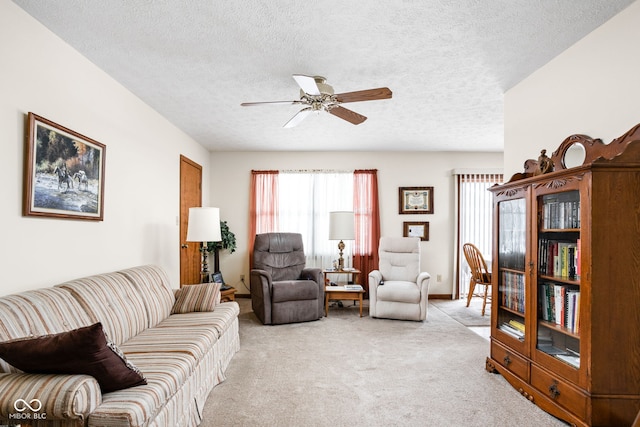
column 468, row 316
column 344, row 370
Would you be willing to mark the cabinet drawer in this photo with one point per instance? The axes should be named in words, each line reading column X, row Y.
column 559, row 391
column 510, row 360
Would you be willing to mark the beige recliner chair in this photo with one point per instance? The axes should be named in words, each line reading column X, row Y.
column 399, row 290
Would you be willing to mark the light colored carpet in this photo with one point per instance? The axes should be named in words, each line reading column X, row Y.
column 345, row 370
column 468, row 316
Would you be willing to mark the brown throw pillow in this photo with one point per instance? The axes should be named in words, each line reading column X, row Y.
column 191, row 298
column 80, row 351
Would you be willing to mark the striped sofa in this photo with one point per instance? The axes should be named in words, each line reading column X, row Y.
column 182, row 356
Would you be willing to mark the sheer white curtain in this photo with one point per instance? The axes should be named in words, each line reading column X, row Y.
column 305, row 200
column 474, row 217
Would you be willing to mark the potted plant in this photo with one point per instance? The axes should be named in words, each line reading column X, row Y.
column 228, row 243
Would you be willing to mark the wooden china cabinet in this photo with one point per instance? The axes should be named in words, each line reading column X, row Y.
column 565, row 317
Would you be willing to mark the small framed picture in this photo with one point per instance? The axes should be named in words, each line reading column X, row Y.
column 416, row 200
column 416, row 229
column 217, row 278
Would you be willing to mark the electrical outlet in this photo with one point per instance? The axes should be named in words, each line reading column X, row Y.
column 242, row 277
column 439, row 278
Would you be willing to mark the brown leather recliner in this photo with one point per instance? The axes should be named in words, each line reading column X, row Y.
column 282, row 289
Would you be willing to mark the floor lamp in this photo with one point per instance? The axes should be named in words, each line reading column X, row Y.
column 341, row 228
column 204, row 227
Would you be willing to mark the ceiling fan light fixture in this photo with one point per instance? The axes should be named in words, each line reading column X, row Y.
column 323, row 87
column 319, row 96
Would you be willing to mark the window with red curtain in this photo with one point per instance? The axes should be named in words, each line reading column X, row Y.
column 267, row 213
column 367, row 223
column 263, row 205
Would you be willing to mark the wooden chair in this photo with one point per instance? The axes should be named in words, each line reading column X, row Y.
column 480, row 275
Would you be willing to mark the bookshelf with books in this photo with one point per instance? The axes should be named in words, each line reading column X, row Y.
column 511, row 261
column 565, row 331
column 558, row 279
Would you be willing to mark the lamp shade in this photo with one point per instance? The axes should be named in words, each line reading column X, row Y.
column 341, row 225
column 204, row 225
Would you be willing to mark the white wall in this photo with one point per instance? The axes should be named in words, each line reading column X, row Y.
column 42, row 74
column 592, row 88
column 230, row 183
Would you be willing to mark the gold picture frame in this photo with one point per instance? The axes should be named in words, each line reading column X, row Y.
column 416, row 200
column 63, row 173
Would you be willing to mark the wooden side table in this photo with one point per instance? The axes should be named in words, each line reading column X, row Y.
column 340, row 293
column 228, row 295
column 355, row 275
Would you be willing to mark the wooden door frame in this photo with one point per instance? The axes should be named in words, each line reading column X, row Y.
column 188, row 250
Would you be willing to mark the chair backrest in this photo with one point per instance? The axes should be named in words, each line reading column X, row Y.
column 478, row 266
column 279, row 254
column 399, row 258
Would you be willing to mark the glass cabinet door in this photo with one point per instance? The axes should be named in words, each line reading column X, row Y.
column 512, row 240
column 558, row 277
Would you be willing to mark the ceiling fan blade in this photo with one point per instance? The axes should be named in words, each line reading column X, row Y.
column 251, row 104
column 300, row 116
column 348, row 115
column 307, row 84
column 365, row 95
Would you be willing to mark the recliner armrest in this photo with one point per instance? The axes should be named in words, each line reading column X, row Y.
column 423, row 282
column 315, row 274
column 375, row 277
column 422, row 277
column 312, row 273
column 260, row 288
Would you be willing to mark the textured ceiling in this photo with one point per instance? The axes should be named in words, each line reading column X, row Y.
column 448, row 63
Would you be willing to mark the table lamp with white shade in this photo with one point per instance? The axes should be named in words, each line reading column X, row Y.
column 341, row 228
column 204, row 227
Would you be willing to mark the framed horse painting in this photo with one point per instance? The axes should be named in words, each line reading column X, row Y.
column 63, row 174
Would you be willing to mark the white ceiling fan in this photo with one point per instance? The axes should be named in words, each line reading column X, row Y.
column 317, row 95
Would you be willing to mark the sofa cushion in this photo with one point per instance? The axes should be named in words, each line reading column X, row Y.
column 113, row 300
column 193, row 343
column 153, row 284
column 204, row 329
column 220, row 319
column 40, row 312
column 167, row 374
column 80, row 351
column 190, row 298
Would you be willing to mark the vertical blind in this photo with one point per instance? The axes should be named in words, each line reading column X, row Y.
column 474, row 218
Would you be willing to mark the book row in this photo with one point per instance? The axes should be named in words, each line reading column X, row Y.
column 561, row 214
column 560, row 304
column 513, row 260
column 558, row 258
column 512, row 291
column 512, row 330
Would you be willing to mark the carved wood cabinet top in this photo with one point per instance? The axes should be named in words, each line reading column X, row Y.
column 583, row 151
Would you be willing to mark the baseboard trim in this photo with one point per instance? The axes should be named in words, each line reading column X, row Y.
column 440, row 296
